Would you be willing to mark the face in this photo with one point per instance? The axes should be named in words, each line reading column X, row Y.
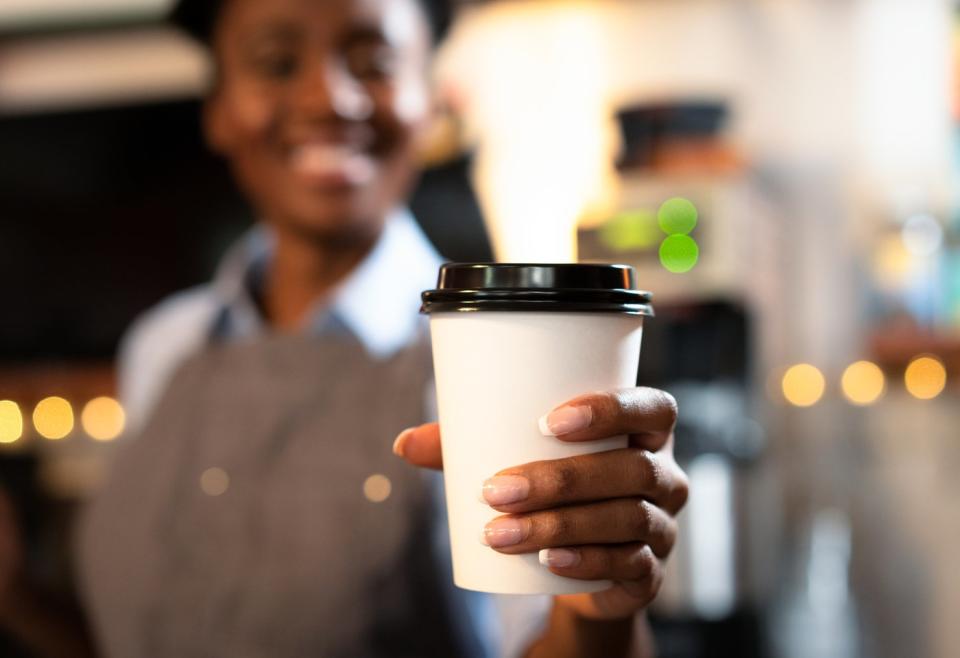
column 318, row 108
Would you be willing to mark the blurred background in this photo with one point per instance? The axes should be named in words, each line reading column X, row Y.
column 782, row 174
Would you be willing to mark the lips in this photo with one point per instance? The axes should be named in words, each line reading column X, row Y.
column 326, row 164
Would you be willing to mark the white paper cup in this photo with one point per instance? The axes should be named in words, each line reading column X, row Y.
column 504, row 359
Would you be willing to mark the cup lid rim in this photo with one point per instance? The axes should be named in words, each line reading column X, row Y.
column 570, row 287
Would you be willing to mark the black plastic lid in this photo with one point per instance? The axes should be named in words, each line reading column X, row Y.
column 537, row 287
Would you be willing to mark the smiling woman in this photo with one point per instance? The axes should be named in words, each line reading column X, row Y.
column 319, row 115
column 317, row 108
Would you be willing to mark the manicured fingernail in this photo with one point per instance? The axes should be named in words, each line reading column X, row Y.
column 559, row 557
column 399, row 442
column 505, row 489
column 566, row 420
column 503, row 532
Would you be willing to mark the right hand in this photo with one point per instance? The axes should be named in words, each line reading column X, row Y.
column 11, row 554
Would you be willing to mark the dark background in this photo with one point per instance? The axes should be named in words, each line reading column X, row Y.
column 107, row 211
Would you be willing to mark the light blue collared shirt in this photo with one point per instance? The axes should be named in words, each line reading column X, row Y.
column 378, row 303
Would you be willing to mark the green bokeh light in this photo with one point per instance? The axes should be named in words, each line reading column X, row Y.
column 679, row 253
column 633, row 230
column 677, row 216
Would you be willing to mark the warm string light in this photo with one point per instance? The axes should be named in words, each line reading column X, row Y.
column 53, row 418
column 863, row 383
column 925, row 377
column 102, row 419
column 803, row 385
column 11, row 422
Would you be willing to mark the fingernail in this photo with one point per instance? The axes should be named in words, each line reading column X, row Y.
column 506, row 489
column 566, row 420
column 558, row 557
column 503, row 532
column 400, row 441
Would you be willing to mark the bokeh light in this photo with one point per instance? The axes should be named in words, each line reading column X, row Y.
column 214, row 481
column 803, row 385
column 892, row 263
column 630, row 231
column 53, row 418
column 922, row 235
column 925, row 377
column 863, row 383
column 679, row 253
column 103, row 419
column 377, row 488
column 11, row 422
column 677, row 216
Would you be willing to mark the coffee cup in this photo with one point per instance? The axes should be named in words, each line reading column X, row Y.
column 511, row 342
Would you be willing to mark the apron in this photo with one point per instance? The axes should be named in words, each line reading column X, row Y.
column 239, row 523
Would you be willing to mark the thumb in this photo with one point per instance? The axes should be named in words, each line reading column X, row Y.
column 420, row 446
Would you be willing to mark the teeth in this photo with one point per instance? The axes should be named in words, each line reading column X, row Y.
column 331, row 160
column 321, row 155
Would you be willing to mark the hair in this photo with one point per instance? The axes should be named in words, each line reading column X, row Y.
column 198, row 18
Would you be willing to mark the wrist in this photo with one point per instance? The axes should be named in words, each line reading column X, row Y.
column 571, row 634
column 591, row 608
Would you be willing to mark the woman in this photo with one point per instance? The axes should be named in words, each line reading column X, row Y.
column 234, row 523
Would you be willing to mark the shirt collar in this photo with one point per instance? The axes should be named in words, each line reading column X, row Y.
column 238, row 276
column 378, row 302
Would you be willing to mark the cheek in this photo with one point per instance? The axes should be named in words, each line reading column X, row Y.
column 253, row 116
column 403, row 118
column 411, row 103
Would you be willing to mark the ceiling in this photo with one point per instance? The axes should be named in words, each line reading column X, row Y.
column 39, row 14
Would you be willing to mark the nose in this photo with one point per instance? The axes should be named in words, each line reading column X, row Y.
column 327, row 91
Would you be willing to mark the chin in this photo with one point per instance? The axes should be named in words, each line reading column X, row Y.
column 346, row 222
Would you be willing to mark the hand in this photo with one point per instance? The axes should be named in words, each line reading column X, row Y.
column 608, row 515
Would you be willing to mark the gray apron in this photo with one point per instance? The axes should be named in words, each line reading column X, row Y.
column 237, row 523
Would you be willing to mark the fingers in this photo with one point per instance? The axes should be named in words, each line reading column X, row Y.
column 630, row 562
column 647, row 415
column 630, row 472
column 611, row 522
column 420, row 446
column 636, row 571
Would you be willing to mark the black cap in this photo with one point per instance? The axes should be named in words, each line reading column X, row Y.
column 537, row 287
